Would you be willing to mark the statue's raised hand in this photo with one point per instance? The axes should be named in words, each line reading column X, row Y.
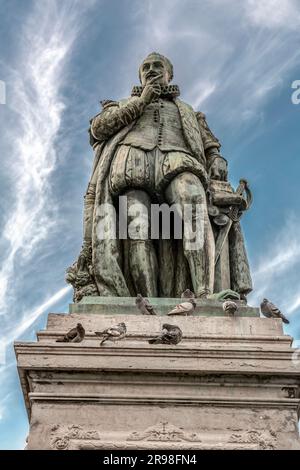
column 151, row 90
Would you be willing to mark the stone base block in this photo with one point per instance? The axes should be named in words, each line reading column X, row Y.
column 230, row 384
column 126, row 306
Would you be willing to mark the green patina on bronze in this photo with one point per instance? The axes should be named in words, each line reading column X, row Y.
column 162, row 305
column 154, row 148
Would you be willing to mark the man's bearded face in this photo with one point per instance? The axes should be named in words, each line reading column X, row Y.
column 154, row 67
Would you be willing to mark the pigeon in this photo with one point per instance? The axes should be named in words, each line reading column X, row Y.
column 144, row 306
column 230, row 307
column 185, row 308
column 170, row 334
column 114, row 333
column 270, row 310
column 187, row 294
column 75, row 335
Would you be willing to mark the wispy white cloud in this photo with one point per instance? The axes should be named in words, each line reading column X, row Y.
column 285, row 253
column 3, row 404
column 295, row 302
column 47, row 39
column 31, row 316
column 2, row 92
column 275, row 274
column 201, row 91
column 273, row 13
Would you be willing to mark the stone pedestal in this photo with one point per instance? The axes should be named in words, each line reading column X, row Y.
column 230, row 384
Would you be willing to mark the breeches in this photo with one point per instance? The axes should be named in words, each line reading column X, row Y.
column 150, row 171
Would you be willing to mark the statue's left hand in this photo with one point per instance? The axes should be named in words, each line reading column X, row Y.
column 84, row 257
column 218, row 169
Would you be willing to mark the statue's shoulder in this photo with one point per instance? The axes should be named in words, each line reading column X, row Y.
column 210, row 140
column 200, row 115
column 110, row 105
column 201, row 118
column 184, row 105
column 187, row 111
column 105, row 104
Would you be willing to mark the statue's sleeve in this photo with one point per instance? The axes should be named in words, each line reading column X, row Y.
column 208, row 138
column 114, row 117
column 210, row 142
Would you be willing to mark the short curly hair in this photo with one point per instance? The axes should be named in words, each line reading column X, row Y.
column 164, row 59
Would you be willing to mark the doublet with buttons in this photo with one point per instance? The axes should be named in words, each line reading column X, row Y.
column 159, row 126
column 153, row 152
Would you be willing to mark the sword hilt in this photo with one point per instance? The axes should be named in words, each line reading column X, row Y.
column 235, row 212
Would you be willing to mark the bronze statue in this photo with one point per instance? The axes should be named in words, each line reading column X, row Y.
column 155, row 149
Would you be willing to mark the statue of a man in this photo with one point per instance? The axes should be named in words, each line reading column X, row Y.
column 152, row 148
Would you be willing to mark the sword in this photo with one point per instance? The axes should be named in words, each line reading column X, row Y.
column 234, row 215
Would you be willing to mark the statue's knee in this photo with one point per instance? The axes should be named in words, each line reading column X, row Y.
column 188, row 189
column 197, row 194
column 135, row 196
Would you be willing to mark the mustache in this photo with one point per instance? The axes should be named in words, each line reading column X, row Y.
column 153, row 74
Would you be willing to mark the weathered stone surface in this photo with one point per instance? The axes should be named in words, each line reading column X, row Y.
column 230, row 384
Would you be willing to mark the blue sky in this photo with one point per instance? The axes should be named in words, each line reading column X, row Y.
column 235, row 60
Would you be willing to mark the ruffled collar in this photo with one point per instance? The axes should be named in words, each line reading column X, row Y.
column 166, row 90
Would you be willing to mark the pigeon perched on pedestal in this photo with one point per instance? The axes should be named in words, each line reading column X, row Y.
column 171, row 334
column 185, row 308
column 75, row 335
column 230, row 307
column 187, row 294
column 270, row 310
column 114, row 333
column 144, row 305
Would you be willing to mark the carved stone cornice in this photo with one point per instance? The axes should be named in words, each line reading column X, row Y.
column 227, row 402
column 161, row 436
column 264, row 440
column 164, row 432
column 63, row 437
